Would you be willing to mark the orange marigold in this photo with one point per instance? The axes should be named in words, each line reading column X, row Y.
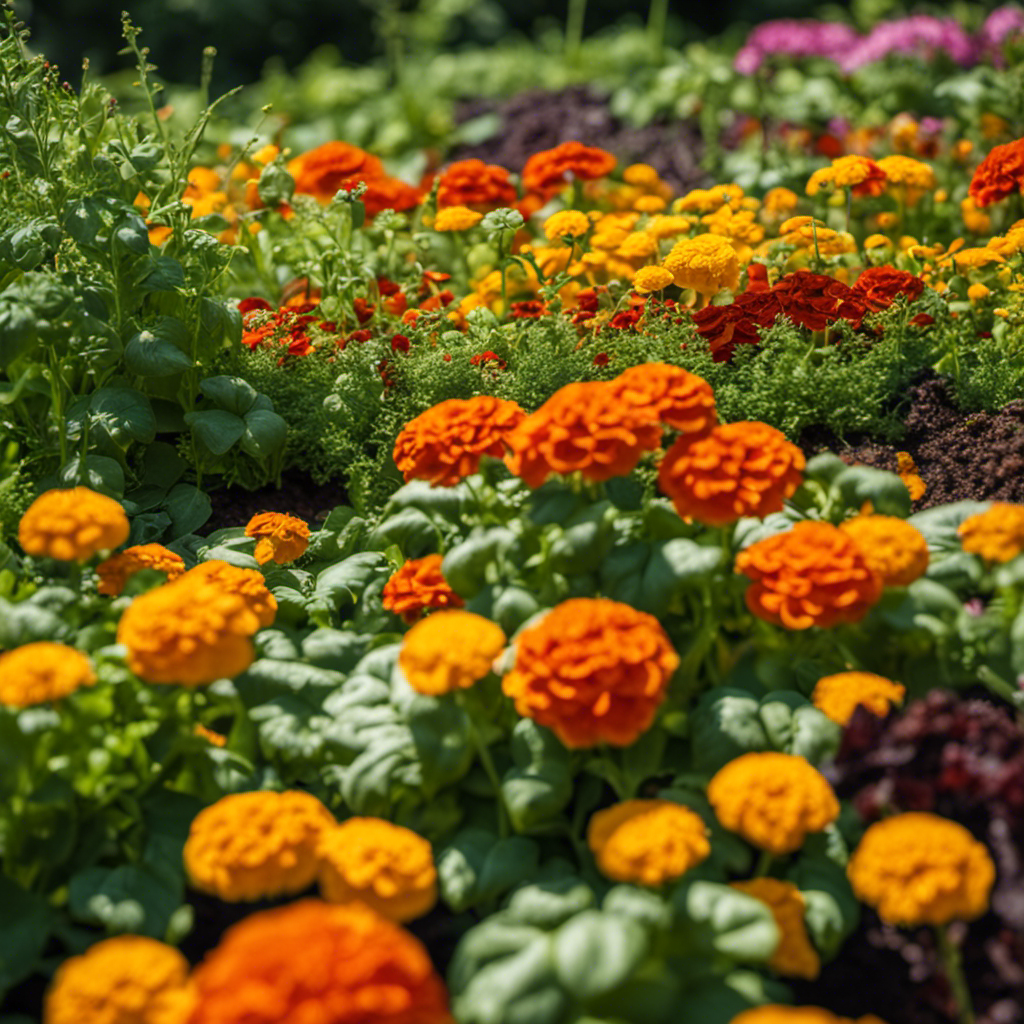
column 385, row 866
column 794, row 957
column 248, row 584
column 648, row 842
column 736, row 470
column 996, row 534
column 675, row 397
column 475, row 184
column 907, row 469
column 252, row 846
column 585, row 428
column 418, row 585
column 593, row 671
column 551, row 170
column 279, row 537
column 999, row 175
column 323, row 171
column 449, row 650
column 446, row 443
column 777, row 1013
column 773, row 800
column 893, row 549
column 313, row 961
column 72, row 525
column 812, row 575
column 839, row 695
column 918, row 868
column 124, row 980
column 115, row 571
column 40, row 672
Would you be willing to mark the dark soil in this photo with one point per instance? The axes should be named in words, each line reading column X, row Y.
column 297, row 495
column 538, row 120
column 960, row 455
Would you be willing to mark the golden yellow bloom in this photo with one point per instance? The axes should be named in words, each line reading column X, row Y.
column 876, row 242
column 887, row 220
column 248, row 584
column 795, row 957
column 839, row 695
column 115, row 571
column 773, row 800
column 72, row 525
column 647, row 842
column 40, row 672
column 668, row 226
column 893, row 548
column 385, row 866
column 266, row 154
column 941, row 195
column 651, row 279
column 701, row 200
column 859, row 174
column 778, row 202
column 908, row 176
column 649, row 204
column 252, row 846
column 456, row 218
column 737, row 225
column 975, row 219
column 449, row 650
column 996, row 534
column 918, row 868
column 124, row 980
column 965, row 259
column 637, row 245
column 1001, row 312
column 566, row 224
column 280, row 538
column 978, row 292
column 707, row 264
column 777, row 1013
column 643, row 175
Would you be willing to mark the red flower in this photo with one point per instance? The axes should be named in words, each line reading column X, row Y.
column 532, row 309
column 757, row 278
column 360, row 336
column 248, row 305
column 384, row 368
column 387, row 287
column 877, row 287
column 626, row 319
column 601, row 359
column 364, row 310
column 399, row 343
column 487, row 357
column 999, row 175
column 816, row 300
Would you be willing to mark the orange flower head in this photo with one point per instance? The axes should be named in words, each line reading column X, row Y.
column 673, row 396
column 996, row 534
column 839, row 695
column 736, row 470
column 773, row 800
column 456, row 218
column 475, row 184
column 253, row 846
column 445, row 444
column 812, row 575
column 280, row 538
column 651, row 279
column 385, row 866
column 893, row 549
column 593, row 671
column 124, row 980
column 115, row 571
column 918, row 868
column 585, row 428
column 795, row 957
column 549, row 171
column 72, row 525
column 449, row 651
column 647, row 842
column 41, row 672
column 248, row 584
column 1000, row 174
column 323, row 171
column 859, row 174
column 907, row 470
column 566, row 223
column 418, row 585
column 705, row 263
column 778, row 1013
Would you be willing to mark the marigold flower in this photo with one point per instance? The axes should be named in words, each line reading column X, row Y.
column 665, row 226
column 839, row 695
column 649, row 204
column 795, row 957
column 877, row 242
column 418, row 585
column 115, row 571
column 324, row 171
column 647, row 842
column 251, row 846
column 40, row 672
column 670, row 395
column 593, row 671
column 859, row 174
column 878, row 287
column 445, row 443
column 913, row 176
column 997, row 534
column 313, row 961
column 736, row 470
column 893, row 549
column 456, row 218
column 248, row 584
column 780, row 202
column 773, row 800
column 449, row 650
column 571, row 223
column 970, row 259
column 385, row 866
column 707, row 200
column 128, row 979
column 907, row 470
column 978, row 292
column 280, row 538
column 918, row 868
column 706, row 263
column 812, row 575
column 72, row 525
column 777, row 1013
column 474, row 184
column 999, row 175
column 548, row 171
column 651, row 279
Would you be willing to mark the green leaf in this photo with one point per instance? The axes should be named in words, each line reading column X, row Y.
column 726, row 724
column 344, row 582
column 441, row 732
column 465, row 565
column 216, row 429
column 98, row 473
column 371, row 782
column 641, row 905
column 233, row 394
column 720, row 918
column 160, row 274
column 597, row 952
column 265, row 434
column 124, row 414
column 887, row 493
column 411, row 530
column 508, row 863
column 159, row 350
column 133, row 898
column 24, row 928
column 335, row 649
column 459, row 866
column 939, row 525
column 551, row 903
column 188, row 508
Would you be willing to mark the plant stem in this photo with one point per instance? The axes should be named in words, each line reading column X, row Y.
column 574, row 30
column 764, row 864
column 953, row 966
column 487, row 763
column 657, row 18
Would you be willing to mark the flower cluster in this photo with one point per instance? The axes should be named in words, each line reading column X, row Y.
column 996, row 534
column 449, row 651
column 72, row 525
column 40, row 672
column 114, row 572
column 894, row 550
column 280, row 538
column 418, row 586
column 839, row 695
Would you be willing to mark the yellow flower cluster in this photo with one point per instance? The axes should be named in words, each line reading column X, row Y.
column 996, row 534
column 570, row 224
column 893, row 548
column 795, row 957
column 839, row 695
column 705, row 263
column 72, row 525
column 449, row 650
column 457, row 218
column 40, row 672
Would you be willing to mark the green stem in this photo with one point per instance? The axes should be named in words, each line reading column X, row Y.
column 487, row 763
column 953, row 966
column 574, row 30
column 657, row 18
column 764, row 864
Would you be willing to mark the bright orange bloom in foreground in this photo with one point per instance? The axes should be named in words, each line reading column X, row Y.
column 550, row 170
column 593, row 671
column 778, row 1013
column 115, row 571
column 72, row 525
column 248, row 584
column 673, row 396
column 417, row 586
column 40, row 672
column 999, row 175
column 279, row 537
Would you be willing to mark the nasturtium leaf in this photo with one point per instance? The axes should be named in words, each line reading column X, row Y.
column 597, row 952
column 232, row 394
column 265, row 434
column 730, row 922
column 159, row 349
column 215, row 429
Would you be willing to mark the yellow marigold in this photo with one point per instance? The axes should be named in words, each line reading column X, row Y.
column 637, row 245
column 668, row 394
column 449, row 650
column 893, row 548
column 418, row 585
column 918, row 868
column 115, row 571
column 280, row 538
column 647, row 842
column 777, row 1013
column 887, row 220
column 651, row 279
column 318, row 963
column 124, row 980
column 978, row 292
column 650, row 204
column 566, row 224
column 701, row 200
column 72, row 525
column 643, row 175
column 773, row 800
column 996, row 534
column 970, row 259
column 40, row 672
column 839, row 695
column 253, row 846
column 593, row 671
column 456, row 218
column 876, row 242
column 667, row 226
column 779, row 202
column 385, row 866
column 738, row 226
column 907, row 470
column 975, row 219
column 706, row 263
column 795, row 957
column 913, row 175
column 248, row 584
column 859, row 174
